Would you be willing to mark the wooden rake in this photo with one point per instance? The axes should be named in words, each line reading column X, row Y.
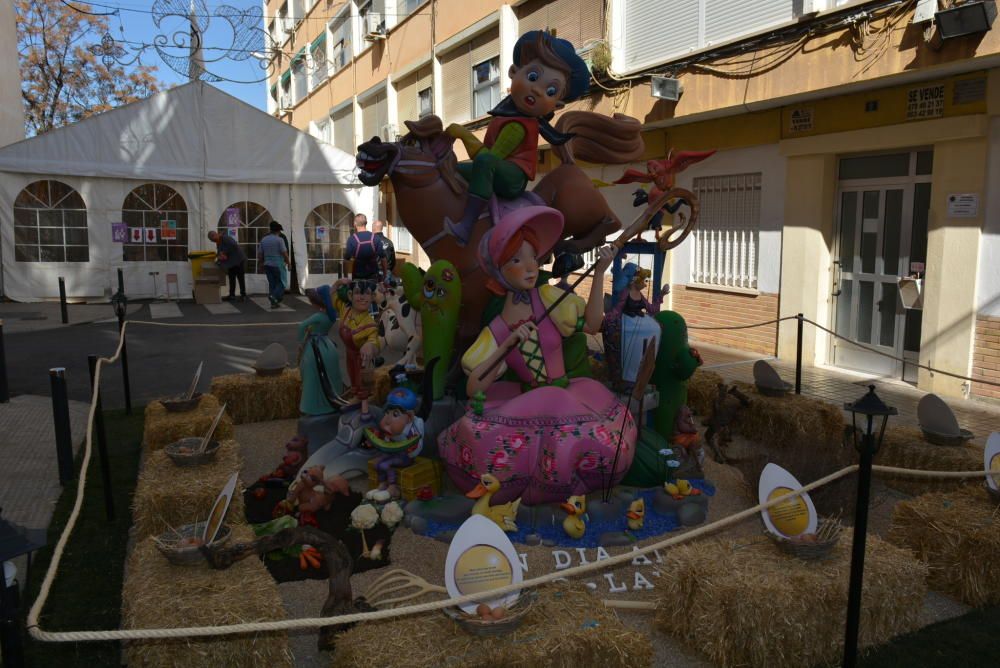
column 380, row 592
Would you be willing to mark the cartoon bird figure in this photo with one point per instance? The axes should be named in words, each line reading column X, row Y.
column 663, row 173
column 504, row 514
column 680, row 488
column 574, row 525
column 636, row 514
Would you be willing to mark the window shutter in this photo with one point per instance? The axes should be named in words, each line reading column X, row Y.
column 425, row 77
column 532, row 15
column 579, row 21
column 659, row 29
column 456, row 82
column 484, row 47
column 374, row 116
column 343, row 130
column 406, row 99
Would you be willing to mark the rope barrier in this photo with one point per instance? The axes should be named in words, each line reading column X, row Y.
column 38, row 633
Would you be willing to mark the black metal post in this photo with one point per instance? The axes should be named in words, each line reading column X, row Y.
column 62, row 300
column 121, row 281
column 798, row 355
column 4, row 390
column 124, row 360
column 11, row 638
column 858, row 547
column 102, row 444
column 60, row 418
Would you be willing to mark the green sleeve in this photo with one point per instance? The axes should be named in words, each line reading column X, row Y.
column 509, row 140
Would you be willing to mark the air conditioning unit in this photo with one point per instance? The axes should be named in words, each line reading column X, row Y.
column 666, row 88
column 374, row 27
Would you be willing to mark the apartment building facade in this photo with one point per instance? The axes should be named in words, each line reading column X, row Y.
column 856, row 146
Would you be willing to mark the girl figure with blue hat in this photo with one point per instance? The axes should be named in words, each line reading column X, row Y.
column 629, row 325
column 546, row 73
column 316, row 328
column 398, row 438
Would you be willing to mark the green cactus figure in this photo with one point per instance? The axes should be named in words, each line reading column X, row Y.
column 676, row 362
column 437, row 294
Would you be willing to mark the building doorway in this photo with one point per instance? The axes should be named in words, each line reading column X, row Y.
column 882, row 210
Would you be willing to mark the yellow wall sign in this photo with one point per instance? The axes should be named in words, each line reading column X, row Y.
column 794, row 516
column 481, row 558
column 925, row 102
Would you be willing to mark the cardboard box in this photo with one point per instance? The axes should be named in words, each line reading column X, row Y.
column 207, row 292
column 212, row 272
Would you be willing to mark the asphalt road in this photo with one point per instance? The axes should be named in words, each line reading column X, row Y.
column 162, row 360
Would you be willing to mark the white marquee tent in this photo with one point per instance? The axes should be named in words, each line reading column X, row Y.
column 172, row 167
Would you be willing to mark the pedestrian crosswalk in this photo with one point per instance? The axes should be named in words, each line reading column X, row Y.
column 225, row 308
column 168, row 310
column 265, row 304
column 253, row 306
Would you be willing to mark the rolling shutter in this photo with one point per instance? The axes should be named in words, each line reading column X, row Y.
column 579, row 21
column 406, row 99
column 374, row 116
column 343, row 130
column 484, row 47
column 456, row 82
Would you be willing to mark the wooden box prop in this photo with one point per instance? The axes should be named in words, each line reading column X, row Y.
column 163, row 427
column 253, row 398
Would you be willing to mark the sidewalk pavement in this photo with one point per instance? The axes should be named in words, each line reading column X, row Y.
column 839, row 387
column 21, row 317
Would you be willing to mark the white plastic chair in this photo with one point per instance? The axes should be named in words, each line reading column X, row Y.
column 172, row 280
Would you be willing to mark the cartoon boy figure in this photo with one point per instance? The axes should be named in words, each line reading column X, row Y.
column 398, row 425
column 546, row 73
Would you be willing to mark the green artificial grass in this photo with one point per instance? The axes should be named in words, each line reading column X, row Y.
column 971, row 640
column 86, row 594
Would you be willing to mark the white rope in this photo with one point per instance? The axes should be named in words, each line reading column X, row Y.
column 319, row 622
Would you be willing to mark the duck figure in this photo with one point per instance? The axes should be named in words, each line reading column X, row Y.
column 574, row 525
column 680, row 488
column 636, row 514
column 503, row 514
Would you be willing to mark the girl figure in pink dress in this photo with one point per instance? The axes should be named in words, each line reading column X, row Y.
column 544, row 435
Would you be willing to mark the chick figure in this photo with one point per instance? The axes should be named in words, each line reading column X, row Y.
column 636, row 514
column 574, row 525
column 504, row 514
column 680, row 488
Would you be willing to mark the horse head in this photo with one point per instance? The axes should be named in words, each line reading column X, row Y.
column 421, row 157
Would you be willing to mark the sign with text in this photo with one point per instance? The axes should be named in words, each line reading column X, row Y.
column 801, row 120
column 963, row 205
column 481, row 558
column 168, row 229
column 119, row 233
column 790, row 518
column 925, row 102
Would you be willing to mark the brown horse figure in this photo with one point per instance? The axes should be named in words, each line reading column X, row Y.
column 428, row 188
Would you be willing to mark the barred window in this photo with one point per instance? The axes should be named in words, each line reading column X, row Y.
column 157, row 220
column 50, row 224
column 255, row 221
column 724, row 245
column 328, row 227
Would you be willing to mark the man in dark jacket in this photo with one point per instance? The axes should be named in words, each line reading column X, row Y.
column 231, row 258
column 387, row 248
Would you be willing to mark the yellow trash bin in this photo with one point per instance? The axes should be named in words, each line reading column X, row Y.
column 198, row 260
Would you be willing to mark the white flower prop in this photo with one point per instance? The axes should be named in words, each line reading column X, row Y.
column 364, row 517
column 392, row 514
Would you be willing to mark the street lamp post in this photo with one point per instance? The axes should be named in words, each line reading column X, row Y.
column 120, row 303
column 872, row 410
column 14, row 541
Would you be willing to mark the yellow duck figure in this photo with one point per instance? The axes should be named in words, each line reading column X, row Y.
column 574, row 525
column 680, row 488
column 636, row 514
column 505, row 514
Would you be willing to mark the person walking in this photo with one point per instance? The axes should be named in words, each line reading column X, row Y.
column 388, row 249
column 273, row 253
column 230, row 256
column 364, row 250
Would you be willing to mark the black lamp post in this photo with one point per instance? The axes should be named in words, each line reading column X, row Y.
column 875, row 414
column 120, row 304
column 15, row 540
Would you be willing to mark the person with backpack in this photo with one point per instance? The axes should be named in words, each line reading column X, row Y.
column 364, row 251
column 387, row 247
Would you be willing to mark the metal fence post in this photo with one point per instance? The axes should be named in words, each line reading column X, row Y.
column 4, row 390
column 62, row 300
column 102, row 443
column 60, row 419
column 798, row 355
column 120, row 304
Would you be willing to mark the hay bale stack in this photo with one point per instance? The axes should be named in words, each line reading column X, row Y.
column 702, row 391
column 958, row 534
column 252, row 398
column 905, row 447
column 167, row 495
column 157, row 594
column 163, row 428
column 752, row 605
column 566, row 627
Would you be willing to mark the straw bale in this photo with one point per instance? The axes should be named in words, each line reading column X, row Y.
column 566, row 627
column 958, row 534
column 702, row 390
column 252, row 398
column 167, row 495
column 157, row 594
column 163, row 428
column 905, row 447
column 752, row 605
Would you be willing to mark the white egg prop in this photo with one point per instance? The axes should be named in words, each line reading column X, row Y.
column 480, row 558
column 789, row 519
column 991, row 457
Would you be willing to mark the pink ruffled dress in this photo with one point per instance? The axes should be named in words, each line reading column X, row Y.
column 547, row 437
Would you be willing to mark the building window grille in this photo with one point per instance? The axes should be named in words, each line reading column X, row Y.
column 725, row 244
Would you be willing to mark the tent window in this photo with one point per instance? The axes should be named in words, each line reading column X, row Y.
column 254, row 222
column 50, row 224
column 157, row 220
column 328, row 227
